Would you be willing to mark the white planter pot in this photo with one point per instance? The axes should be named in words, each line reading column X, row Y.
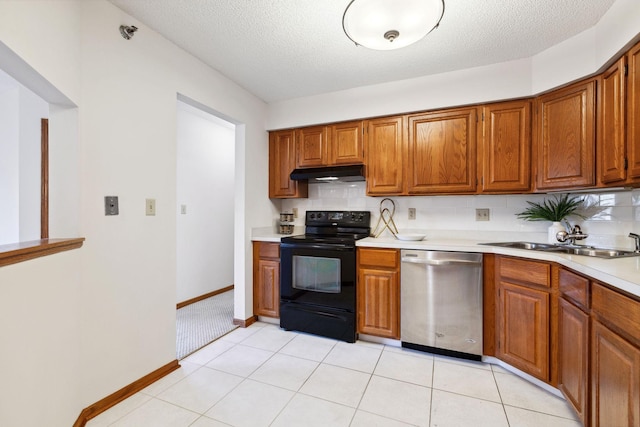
column 553, row 230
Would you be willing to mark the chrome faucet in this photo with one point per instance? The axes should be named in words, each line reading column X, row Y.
column 636, row 237
column 575, row 234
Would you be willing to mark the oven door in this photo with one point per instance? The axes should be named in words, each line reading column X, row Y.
column 318, row 274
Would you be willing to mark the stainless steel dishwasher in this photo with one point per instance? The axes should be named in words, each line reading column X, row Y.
column 441, row 302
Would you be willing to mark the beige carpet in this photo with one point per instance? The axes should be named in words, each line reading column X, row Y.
column 203, row 322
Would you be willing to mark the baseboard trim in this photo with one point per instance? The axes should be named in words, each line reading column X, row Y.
column 245, row 323
column 205, row 296
column 100, row 406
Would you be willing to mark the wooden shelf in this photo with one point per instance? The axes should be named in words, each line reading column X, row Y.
column 24, row 251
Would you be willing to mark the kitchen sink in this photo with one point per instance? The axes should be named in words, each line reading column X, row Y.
column 525, row 245
column 567, row 249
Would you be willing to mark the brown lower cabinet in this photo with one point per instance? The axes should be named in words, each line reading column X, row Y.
column 615, row 358
column 599, row 352
column 378, row 295
column 573, row 358
column 615, row 377
column 524, row 315
column 266, row 279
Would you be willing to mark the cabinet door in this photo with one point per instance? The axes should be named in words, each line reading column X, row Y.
column 615, row 379
column 266, row 279
column 573, row 357
column 384, row 152
column 505, row 155
column 524, row 329
column 378, row 303
column 313, row 147
column 346, row 147
column 633, row 114
column 282, row 161
column 441, row 153
column 611, row 124
column 565, row 137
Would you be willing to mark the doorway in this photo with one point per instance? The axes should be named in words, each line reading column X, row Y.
column 205, row 192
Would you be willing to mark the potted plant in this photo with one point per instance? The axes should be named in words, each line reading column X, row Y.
column 555, row 210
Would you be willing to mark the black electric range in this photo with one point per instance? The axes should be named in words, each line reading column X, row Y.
column 318, row 274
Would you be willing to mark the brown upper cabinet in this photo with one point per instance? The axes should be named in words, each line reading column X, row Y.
column 504, row 154
column 619, row 121
column 313, row 147
column 282, row 161
column 565, row 137
column 384, row 153
column 633, row 115
column 611, row 118
column 337, row 144
column 347, row 143
column 441, row 152
column 521, row 146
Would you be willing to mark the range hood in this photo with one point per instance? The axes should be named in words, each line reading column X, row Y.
column 349, row 173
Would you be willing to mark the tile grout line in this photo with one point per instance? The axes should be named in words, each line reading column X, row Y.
column 504, row 409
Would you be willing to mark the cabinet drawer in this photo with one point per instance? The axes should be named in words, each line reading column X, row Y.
column 387, row 258
column 269, row 250
column 620, row 312
column 575, row 288
column 524, row 271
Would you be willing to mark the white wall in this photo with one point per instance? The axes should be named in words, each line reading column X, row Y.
column 21, row 112
column 31, row 109
column 9, row 161
column 206, row 171
column 115, row 300
column 40, row 322
column 128, row 137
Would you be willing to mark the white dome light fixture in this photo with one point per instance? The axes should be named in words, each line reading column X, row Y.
column 391, row 24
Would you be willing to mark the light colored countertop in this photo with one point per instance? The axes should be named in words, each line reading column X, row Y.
column 267, row 234
column 622, row 273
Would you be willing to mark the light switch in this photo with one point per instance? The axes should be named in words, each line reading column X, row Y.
column 183, row 209
column 151, row 207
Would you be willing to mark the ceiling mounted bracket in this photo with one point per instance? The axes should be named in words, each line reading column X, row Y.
column 128, row 31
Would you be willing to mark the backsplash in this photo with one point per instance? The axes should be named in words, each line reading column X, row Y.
column 454, row 216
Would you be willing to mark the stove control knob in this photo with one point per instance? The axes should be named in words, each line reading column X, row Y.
column 312, row 216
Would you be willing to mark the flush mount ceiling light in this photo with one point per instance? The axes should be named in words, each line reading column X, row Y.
column 390, row 24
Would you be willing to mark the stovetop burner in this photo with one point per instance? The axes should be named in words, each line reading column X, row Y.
column 333, row 227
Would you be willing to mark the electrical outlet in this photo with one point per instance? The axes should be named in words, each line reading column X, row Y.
column 111, row 205
column 150, row 207
column 482, row 215
column 412, row 213
column 295, row 212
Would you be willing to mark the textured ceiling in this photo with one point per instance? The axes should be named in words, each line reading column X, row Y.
column 283, row 49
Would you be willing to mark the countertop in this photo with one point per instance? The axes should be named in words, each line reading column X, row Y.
column 621, row 273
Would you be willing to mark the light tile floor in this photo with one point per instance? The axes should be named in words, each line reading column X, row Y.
column 264, row 376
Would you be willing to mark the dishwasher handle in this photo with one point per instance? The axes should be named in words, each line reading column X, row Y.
column 437, row 262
